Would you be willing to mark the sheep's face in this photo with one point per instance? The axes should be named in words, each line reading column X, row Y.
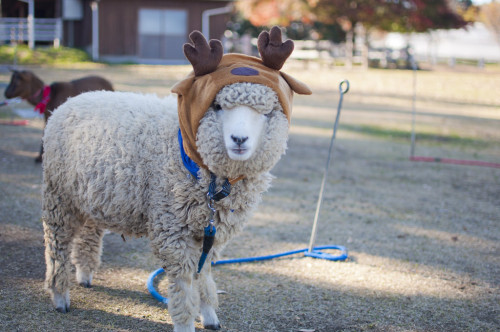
column 242, row 128
column 244, row 132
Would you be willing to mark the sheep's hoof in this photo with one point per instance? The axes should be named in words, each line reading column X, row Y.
column 212, row 327
column 209, row 317
column 63, row 310
column 61, row 301
column 38, row 159
column 86, row 284
column 83, row 278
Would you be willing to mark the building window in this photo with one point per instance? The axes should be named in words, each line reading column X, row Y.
column 162, row 32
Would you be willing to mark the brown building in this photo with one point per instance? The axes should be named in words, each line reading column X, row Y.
column 145, row 31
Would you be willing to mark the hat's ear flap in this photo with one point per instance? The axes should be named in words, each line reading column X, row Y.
column 182, row 87
column 296, row 85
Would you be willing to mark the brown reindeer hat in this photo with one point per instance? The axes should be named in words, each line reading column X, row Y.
column 212, row 71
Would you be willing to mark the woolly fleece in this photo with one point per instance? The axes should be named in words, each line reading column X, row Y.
column 112, row 161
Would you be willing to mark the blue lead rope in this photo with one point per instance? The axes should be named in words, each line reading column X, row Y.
column 210, row 230
column 315, row 253
column 208, row 241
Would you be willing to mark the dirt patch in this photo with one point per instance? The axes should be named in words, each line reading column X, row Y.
column 423, row 238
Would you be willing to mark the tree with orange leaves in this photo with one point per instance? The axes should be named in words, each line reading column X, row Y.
column 387, row 15
column 274, row 12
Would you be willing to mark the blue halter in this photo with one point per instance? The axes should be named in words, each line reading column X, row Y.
column 190, row 165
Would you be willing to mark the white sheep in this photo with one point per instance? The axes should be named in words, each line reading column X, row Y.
column 114, row 160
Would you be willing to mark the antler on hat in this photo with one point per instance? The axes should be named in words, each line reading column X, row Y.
column 205, row 57
column 272, row 50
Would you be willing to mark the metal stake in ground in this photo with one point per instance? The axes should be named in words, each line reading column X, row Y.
column 325, row 174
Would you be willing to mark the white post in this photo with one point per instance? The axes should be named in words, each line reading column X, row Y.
column 349, row 48
column 205, row 18
column 31, row 23
column 58, row 34
column 95, row 30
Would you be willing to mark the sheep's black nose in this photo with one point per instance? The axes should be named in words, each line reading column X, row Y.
column 239, row 140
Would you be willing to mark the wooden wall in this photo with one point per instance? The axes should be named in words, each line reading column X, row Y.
column 118, row 22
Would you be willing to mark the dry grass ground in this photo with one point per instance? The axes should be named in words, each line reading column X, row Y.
column 423, row 238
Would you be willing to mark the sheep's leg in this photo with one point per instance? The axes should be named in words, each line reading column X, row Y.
column 86, row 254
column 179, row 254
column 208, row 299
column 183, row 303
column 58, row 235
column 38, row 159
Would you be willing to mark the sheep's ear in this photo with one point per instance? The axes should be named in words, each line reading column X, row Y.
column 183, row 86
column 296, row 85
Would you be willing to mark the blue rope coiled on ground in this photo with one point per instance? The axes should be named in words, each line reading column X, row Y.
column 316, row 253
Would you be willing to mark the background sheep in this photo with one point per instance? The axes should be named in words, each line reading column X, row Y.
column 28, row 86
column 113, row 161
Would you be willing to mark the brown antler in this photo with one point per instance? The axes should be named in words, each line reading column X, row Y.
column 272, row 51
column 204, row 57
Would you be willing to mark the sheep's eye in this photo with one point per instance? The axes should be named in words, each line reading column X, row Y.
column 217, row 107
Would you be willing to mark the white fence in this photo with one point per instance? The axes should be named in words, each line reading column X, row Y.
column 17, row 30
